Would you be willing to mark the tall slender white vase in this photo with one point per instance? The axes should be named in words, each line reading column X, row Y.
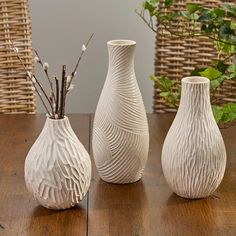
column 193, row 155
column 58, row 167
column 120, row 133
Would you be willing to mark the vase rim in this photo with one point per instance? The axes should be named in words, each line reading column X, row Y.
column 57, row 120
column 121, row 42
column 195, row 80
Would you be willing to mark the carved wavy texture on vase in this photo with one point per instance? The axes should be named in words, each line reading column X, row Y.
column 58, row 167
column 193, row 155
column 120, row 133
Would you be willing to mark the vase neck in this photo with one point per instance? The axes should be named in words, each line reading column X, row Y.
column 195, row 98
column 58, row 126
column 121, row 56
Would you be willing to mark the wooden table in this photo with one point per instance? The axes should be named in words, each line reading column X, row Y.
column 147, row 207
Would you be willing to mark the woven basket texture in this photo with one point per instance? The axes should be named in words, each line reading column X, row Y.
column 177, row 58
column 16, row 94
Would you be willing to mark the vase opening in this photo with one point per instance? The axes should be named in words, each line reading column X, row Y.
column 195, row 80
column 121, row 42
column 56, row 120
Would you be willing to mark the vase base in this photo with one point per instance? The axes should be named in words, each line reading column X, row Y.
column 193, row 197
column 120, row 182
column 58, row 208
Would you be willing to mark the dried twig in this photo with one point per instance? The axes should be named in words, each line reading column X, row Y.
column 48, row 99
column 47, row 75
column 57, row 95
column 30, row 77
column 41, row 98
column 56, row 102
column 77, row 64
column 149, row 24
column 63, row 92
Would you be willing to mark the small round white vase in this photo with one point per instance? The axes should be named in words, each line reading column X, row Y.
column 120, row 132
column 58, row 167
column 194, row 155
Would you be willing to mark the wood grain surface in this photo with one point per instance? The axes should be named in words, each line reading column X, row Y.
column 145, row 208
column 20, row 214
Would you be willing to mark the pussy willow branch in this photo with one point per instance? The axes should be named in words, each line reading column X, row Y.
column 47, row 75
column 77, row 64
column 63, row 93
column 57, row 95
column 26, row 71
column 49, row 101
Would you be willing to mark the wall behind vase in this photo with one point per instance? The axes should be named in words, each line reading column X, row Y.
column 60, row 28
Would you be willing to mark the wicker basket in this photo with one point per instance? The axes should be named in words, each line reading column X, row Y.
column 16, row 94
column 177, row 58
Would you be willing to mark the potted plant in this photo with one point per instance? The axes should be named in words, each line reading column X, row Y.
column 218, row 25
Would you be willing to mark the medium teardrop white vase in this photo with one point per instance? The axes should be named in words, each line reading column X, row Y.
column 193, row 155
column 120, row 132
column 58, row 167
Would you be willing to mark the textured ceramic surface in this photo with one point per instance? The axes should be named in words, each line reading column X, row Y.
column 193, row 155
column 57, row 167
column 120, row 134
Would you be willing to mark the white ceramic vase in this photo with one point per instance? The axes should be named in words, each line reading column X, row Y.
column 58, row 167
column 193, row 155
column 120, row 132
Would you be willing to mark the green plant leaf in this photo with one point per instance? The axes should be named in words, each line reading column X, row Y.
column 222, row 78
column 196, row 71
column 153, row 78
column 165, row 94
column 192, row 7
column 230, row 8
column 232, row 68
column 176, row 96
column 229, row 111
column 221, row 66
column 219, row 25
column 226, row 31
column 232, row 76
column 227, row 48
column 168, row 3
column 205, row 17
column 154, row 2
column 217, row 13
column 233, row 25
column 229, row 107
column 184, row 14
column 228, row 117
column 170, row 16
column 218, row 82
column 211, row 73
column 217, row 112
column 164, row 83
column 214, row 84
column 148, row 6
column 209, row 28
column 170, row 98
